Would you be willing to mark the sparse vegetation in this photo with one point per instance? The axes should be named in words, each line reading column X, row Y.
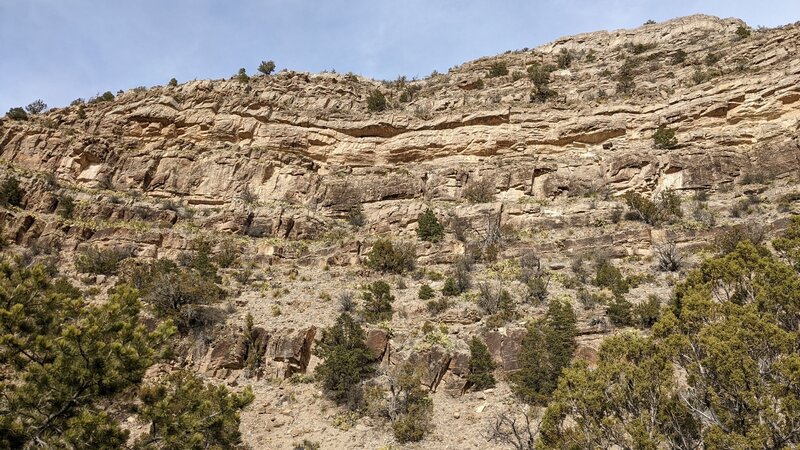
column 100, row 261
column 376, row 101
column 242, row 76
column 414, row 407
column 679, row 57
column 378, row 301
column 386, row 256
column 17, row 113
column 497, row 69
column 10, row 192
column 426, row 292
column 564, row 58
column 742, row 32
column 36, row 107
column 107, row 96
column 668, row 257
column 664, row 138
column 266, row 67
column 480, row 191
column 652, row 213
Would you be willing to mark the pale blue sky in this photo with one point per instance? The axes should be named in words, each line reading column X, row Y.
column 59, row 50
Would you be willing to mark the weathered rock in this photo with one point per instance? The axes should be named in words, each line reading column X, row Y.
column 293, row 349
column 504, row 345
column 377, row 341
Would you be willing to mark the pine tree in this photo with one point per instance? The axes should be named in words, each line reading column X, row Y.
column 481, row 365
column 66, row 358
column 186, row 413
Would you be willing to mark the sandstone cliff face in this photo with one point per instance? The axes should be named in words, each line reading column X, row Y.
column 277, row 163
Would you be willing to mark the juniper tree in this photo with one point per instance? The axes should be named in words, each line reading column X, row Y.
column 346, row 359
column 429, row 227
column 481, row 366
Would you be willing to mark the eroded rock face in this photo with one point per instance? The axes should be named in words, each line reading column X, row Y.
column 377, row 342
column 286, row 156
column 293, row 349
column 284, row 352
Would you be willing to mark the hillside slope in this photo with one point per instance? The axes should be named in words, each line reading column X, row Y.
column 300, row 178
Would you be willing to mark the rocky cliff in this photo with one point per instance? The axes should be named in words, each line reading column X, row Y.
column 504, row 156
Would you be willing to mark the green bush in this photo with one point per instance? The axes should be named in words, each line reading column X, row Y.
column 481, row 366
column 414, row 407
column 664, row 138
column 679, row 57
column 10, row 192
column 788, row 245
column 378, row 302
column 497, row 302
column 480, row 191
column 36, row 107
column 176, row 293
column 386, row 256
column 450, row 288
column 426, row 292
column 537, row 289
column 497, row 69
column 712, row 58
column 107, row 96
column 625, row 77
column 17, row 114
column 668, row 207
column 437, row 306
column 644, row 209
column 620, row 312
column 346, row 359
column 376, row 101
column 66, row 207
column 608, row 276
column 648, row 312
column 564, row 59
column 172, row 82
column 742, row 32
column 429, row 227
column 242, row 76
column 200, row 258
column 266, row 67
column 100, row 261
column 540, row 76
column 640, row 48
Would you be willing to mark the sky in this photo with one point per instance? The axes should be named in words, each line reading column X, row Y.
column 60, row 50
